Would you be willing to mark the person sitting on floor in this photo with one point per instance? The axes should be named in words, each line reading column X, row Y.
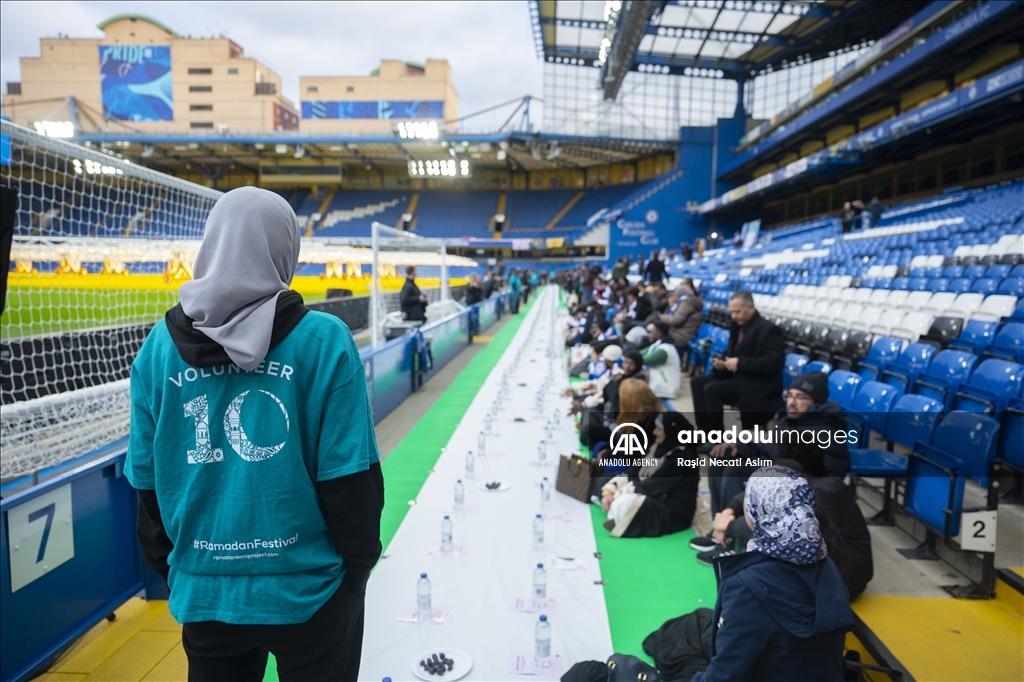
column 846, row 531
column 654, row 500
column 663, row 359
column 600, row 373
column 596, row 424
column 782, row 611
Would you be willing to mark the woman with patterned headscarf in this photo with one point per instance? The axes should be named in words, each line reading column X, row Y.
column 782, row 611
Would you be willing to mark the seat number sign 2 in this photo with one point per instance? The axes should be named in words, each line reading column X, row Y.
column 40, row 536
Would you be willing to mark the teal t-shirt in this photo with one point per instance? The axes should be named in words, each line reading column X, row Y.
column 234, row 457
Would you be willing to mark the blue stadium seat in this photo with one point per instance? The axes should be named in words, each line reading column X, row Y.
column 872, row 404
column 976, row 336
column 1018, row 271
column 971, row 438
column 985, row 285
column 819, row 366
column 912, row 420
column 795, row 364
column 1018, row 311
column 974, row 271
column 1009, row 342
column 900, row 284
column 842, row 387
column 960, row 285
column 883, row 351
column 1011, row 436
column 998, row 271
column 992, row 385
column 953, row 271
column 935, row 483
column 948, row 370
column 914, row 360
column 1012, row 286
column 939, row 284
column 918, row 284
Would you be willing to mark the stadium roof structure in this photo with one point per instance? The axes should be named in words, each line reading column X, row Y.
column 734, row 39
column 519, row 151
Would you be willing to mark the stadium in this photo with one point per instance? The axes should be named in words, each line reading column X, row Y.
column 706, row 364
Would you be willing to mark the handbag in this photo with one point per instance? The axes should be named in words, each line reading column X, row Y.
column 626, row 668
column 574, row 477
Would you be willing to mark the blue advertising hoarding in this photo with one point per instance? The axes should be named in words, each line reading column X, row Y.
column 136, row 82
column 377, row 109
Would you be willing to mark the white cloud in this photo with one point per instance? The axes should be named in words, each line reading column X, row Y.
column 488, row 44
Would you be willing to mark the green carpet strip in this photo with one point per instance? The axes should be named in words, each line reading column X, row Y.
column 407, row 467
column 648, row 581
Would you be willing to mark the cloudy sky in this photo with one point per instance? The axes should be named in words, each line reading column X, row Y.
column 489, row 44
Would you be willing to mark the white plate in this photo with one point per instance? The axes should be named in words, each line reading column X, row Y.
column 463, row 663
column 503, row 487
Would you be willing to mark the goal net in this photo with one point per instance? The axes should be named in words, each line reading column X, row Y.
column 100, row 247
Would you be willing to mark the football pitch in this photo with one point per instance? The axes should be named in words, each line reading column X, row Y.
column 31, row 311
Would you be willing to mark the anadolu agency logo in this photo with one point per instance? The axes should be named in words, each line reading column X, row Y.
column 632, row 443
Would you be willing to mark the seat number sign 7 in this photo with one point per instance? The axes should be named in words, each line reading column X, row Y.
column 40, row 536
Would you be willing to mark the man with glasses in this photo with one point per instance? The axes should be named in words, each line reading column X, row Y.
column 808, row 409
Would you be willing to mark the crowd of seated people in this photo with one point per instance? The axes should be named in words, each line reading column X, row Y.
column 790, row 541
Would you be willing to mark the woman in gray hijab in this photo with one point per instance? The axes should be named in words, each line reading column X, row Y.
column 253, row 450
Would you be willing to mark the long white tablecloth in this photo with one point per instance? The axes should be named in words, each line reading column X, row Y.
column 477, row 589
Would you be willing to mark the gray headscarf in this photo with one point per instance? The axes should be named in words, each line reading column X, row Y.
column 247, row 259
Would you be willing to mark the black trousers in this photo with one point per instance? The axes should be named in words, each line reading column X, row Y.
column 724, row 483
column 711, row 394
column 328, row 646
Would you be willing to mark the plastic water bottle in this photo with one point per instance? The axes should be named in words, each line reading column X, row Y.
column 460, row 494
column 545, row 493
column 423, row 597
column 481, row 443
column 538, row 533
column 540, row 587
column 542, row 451
column 542, row 643
column 488, row 422
column 446, row 535
column 470, row 464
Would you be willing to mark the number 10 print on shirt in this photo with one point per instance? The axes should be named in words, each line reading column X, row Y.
column 204, row 453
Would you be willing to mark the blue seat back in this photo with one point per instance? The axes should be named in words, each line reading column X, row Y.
column 953, row 271
column 842, row 387
column 978, row 334
column 985, row 285
column 974, row 271
column 994, row 381
column 1010, row 338
column 874, row 401
column 900, row 283
column 913, row 419
column 949, row 369
column 884, row 350
column 960, row 285
column 971, row 438
column 818, row 366
column 1012, row 286
column 795, row 363
column 938, row 284
column 1011, row 435
column 934, row 483
column 998, row 271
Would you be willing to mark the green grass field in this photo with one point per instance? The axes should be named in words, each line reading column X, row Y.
column 35, row 311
